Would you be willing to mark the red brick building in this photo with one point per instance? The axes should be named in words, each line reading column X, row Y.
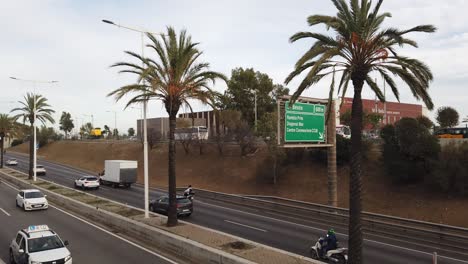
column 391, row 111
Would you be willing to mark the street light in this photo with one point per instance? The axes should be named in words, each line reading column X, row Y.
column 35, row 82
column 145, row 136
column 92, row 119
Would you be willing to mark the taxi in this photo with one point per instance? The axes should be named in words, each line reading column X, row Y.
column 39, row 244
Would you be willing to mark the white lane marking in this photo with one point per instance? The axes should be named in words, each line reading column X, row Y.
column 1, row 209
column 114, row 235
column 251, row 227
column 319, row 229
column 106, row 231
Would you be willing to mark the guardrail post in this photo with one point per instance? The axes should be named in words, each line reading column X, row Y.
column 434, row 258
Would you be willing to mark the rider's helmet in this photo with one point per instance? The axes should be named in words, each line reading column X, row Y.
column 331, row 231
column 190, row 186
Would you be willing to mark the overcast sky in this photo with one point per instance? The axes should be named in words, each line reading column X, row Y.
column 66, row 41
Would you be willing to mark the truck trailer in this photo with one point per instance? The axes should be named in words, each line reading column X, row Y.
column 119, row 173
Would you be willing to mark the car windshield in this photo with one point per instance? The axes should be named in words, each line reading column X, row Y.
column 12, row 160
column 39, row 166
column 33, row 195
column 44, row 243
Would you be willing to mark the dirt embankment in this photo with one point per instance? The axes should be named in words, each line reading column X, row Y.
column 231, row 173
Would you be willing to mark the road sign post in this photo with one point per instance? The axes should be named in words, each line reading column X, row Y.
column 304, row 125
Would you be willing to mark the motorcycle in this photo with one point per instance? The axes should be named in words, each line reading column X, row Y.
column 339, row 255
column 190, row 196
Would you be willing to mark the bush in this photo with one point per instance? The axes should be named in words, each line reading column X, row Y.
column 343, row 151
column 16, row 142
column 410, row 151
column 451, row 173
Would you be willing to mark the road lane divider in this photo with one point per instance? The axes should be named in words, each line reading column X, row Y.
column 5, row 212
column 251, row 227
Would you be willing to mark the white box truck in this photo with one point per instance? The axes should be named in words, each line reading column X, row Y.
column 119, row 173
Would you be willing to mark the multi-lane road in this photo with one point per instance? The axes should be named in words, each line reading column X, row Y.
column 291, row 234
column 88, row 243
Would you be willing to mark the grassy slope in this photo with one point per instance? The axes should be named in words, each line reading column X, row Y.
column 233, row 174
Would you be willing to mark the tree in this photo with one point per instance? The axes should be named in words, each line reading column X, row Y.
column 426, row 122
column 368, row 119
column 115, row 132
column 7, row 130
column 174, row 77
column 267, row 128
column 358, row 48
column 43, row 114
column 107, row 131
column 66, row 123
column 244, row 86
column 131, row 132
column 45, row 134
column 447, row 117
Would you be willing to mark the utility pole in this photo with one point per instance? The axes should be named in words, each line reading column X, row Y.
column 255, row 110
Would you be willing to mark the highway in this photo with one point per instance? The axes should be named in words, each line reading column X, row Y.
column 88, row 243
column 291, row 234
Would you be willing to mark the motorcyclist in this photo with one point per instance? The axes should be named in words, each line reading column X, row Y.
column 188, row 191
column 330, row 242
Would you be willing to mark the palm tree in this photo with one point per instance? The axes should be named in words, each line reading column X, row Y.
column 7, row 129
column 175, row 77
column 43, row 114
column 358, row 48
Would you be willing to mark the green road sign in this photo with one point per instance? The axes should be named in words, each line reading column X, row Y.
column 304, row 123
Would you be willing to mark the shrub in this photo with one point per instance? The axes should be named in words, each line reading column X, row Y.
column 410, row 151
column 16, row 142
column 451, row 173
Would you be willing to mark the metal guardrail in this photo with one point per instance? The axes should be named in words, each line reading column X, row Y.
column 437, row 237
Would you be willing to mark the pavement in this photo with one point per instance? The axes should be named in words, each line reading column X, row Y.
column 88, row 243
column 295, row 235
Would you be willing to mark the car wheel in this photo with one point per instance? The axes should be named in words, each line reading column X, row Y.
column 97, row 188
column 151, row 208
column 83, row 187
column 187, row 215
column 12, row 259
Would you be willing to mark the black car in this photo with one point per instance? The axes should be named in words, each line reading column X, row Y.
column 161, row 205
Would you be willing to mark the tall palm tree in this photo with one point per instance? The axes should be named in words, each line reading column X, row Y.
column 359, row 47
column 7, row 129
column 175, row 77
column 43, row 114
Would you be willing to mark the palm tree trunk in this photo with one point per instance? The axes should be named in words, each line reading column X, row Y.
column 172, row 212
column 331, row 158
column 31, row 150
column 3, row 142
column 355, row 184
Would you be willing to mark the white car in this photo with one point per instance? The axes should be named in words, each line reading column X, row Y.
column 39, row 244
column 11, row 162
column 40, row 170
column 87, row 182
column 31, row 199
